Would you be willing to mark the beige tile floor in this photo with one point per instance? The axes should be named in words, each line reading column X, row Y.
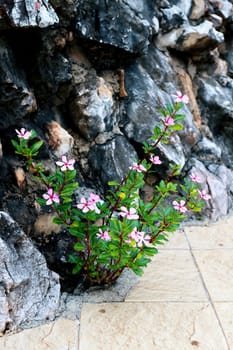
column 183, row 301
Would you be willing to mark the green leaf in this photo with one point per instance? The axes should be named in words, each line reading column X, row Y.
column 156, row 132
column 41, row 201
column 169, row 108
column 79, row 247
column 33, row 134
column 69, row 189
column 35, row 147
column 58, row 221
column 70, row 175
column 143, row 261
column 137, row 270
column 178, row 106
column 179, row 117
column 76, row 269
column 16, row 145
column 113, row 183
column 177, row 127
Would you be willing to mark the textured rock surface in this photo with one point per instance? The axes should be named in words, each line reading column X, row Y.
column 27, row 13
column 29, row 292
column 14, row 89
column 90, row 77
column 127, row 24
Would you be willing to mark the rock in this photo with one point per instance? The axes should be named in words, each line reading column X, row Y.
column 20, row 177
column 198, row 9
column 59, row 139
column 225, row 175
column 172, row 17
column 218, row 205
column 14, row 90
column 29, row 292
column 215, row 96
column 28, row 13
column 91, row 103
column 111, row 161
column 149, row 90
column 184, row 5
column 208, row 147
column 44, row 225
column 191, row 39
column 188, row 88
column 224, row 7
column 125, row 24
column 54, row 71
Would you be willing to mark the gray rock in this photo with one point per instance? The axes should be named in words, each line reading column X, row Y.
column 215, row 96
column 184, row 5
column 14, row 90
column 224, row 8
column 54, row 70
column 226, row 176
column 91, row 104
column 216, row 186
column 125, row 24
column 192, row 38
column 28, row 13
column 173, row 17
column 150, row 83
column 29, row 292
column 111, row 161
column 208, row 147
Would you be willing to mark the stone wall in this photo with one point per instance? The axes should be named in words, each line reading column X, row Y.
column 90, row 76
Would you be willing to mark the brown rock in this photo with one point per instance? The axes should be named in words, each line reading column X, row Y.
column 44, row 224
column 20, row 177
column 187, row 85
column 198, row 9
column 59, row 139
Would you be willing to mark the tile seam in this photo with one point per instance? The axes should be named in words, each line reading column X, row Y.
column 207, row 291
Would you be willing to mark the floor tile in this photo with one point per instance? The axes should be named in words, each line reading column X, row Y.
column 177, row 240
column 150, row 326
column 218, row 235
column 216, row 267
column 58, row 335
column 171, row 276
column 225, row 314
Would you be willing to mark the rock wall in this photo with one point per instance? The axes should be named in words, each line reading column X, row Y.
column 90, row 76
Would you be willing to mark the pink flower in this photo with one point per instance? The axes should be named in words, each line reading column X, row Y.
column 23, row 133
column 94, row 198
column 84, row 205
column 51, row 197
column 155, row 160
column 90, row 204
column 181, row 98
column 195, row 178
column 138, row 167
column 103, row 235
column 130, row 214
column 66, row 164
column 169, row 121
column 180, row 206
column 37, row 5
column 204, row 195
column 140, row 238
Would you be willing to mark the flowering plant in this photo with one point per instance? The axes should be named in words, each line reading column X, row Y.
column 121, row 231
